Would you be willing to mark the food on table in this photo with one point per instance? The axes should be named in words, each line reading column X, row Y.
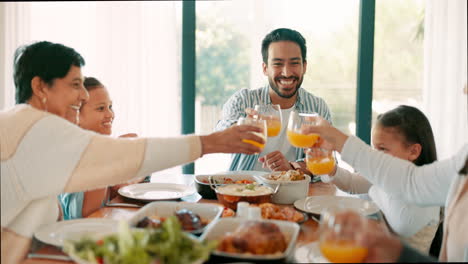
column 167, row 244
column 229, row 181
column 255, row 237
column 229, row 195
column 149, row 222
column 228, row 212
column 271, row 211
column 244, row 190
column 290, row 175
column 188, row 219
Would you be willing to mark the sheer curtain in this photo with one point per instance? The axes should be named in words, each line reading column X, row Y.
column 445, row 73
column 131, row 47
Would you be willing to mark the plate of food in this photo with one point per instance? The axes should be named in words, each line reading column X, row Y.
column 202, row 182
column 256, row 241
column 274, row 212
column 315, row 204
column 56, row 233
column 156, row 191
column 167, row 244
column 293, row 185
column 194, row 217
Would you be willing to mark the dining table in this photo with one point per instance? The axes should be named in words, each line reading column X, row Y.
column 123, row 208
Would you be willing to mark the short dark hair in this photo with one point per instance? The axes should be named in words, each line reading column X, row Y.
column 91, row 83
column 44, row 59
column 415, row 128
column 284, row 34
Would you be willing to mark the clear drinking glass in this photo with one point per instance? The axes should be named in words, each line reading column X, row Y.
column 272, row 114
column 296, row 129
column 258, row 123
column 320, row 161
column 338, row 235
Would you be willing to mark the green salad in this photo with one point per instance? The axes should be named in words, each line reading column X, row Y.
column 168, row 245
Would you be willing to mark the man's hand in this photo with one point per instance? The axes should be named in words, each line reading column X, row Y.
column 275, row 161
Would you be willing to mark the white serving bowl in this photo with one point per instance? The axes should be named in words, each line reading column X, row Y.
column 289, row 191
column 225, row 225
column 207, row 211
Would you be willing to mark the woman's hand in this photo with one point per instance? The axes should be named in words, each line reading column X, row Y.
column 230, row 140
column 330, row 137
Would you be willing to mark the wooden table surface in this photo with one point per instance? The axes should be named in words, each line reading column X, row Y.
column 307, row 233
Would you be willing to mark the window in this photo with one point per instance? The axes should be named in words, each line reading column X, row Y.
column 229, row 35
column 131, row 47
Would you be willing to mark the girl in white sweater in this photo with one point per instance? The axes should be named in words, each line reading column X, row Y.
column 405, row 133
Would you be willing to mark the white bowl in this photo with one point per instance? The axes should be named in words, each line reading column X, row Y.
column 289, row 191
column 224, row 225
column 207, row 211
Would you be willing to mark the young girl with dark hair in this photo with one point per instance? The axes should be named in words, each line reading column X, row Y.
column 405, row 133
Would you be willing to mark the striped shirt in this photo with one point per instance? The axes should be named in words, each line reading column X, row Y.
column 246, row 98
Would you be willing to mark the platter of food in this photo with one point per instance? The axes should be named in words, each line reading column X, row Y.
column 194, row 217
column 252, row 240
column 167, row 244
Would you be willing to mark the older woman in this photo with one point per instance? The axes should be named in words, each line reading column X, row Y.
column 44, row 153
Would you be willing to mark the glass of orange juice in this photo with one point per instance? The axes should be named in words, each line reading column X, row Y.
column 320, row 161
column 258, row 123
column 296, row 133
column 272, row 115
column 337, row 240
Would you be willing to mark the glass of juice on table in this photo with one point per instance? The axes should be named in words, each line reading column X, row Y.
column 337, row 240
column 272, row 115
column 297, row 134
column 258, row 123
column 320, row 161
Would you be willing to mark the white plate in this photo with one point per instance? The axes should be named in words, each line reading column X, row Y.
column 225, row 225
column 156, row 191
column 56, row 233
column 315, row 204
column 309, row 253
column 206, row 211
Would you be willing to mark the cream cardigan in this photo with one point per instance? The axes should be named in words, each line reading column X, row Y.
column 43, row 155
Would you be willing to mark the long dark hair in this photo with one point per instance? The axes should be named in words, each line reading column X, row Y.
column 415, row 128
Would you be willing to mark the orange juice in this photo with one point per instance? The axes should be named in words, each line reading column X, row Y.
column 320, row 165
column 274, row 127
column 255, row 143
column 343, row 251
column 301, row 140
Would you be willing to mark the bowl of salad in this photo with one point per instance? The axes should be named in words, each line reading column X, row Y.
column 167, row 244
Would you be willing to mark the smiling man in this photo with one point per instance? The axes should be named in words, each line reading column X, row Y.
column 284, row 55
